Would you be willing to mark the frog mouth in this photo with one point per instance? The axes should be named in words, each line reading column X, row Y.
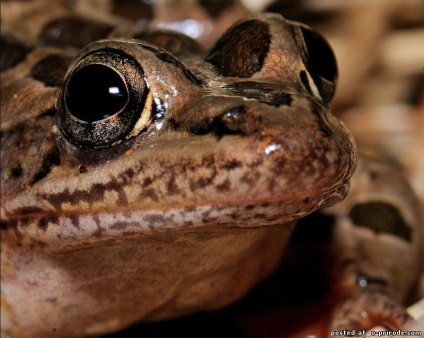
column 66, row 231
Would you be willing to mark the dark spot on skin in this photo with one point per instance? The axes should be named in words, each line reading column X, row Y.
column 216, row 7
column 134, row 10
column 249, row 207
column 155, row 219
column 172, row 187
column 123, row 225
column 242, row 50
column 100, row 189
column 11, row 224
column 224, row 186
column 167, row 57
column 206, row 214
column 5, row 225
column 263, row 92
column 75, row 221
column 250, row 178
column 95, row 193
column 127, row 176
column 190, row 209
column 228, row 123
column 27, row 211
column 203, row 127
column 99, row 232
column 129, row 173
column 201, row 183
column 147, row 182
column 12, row 52
column 174, row 124
column 17, row 171
column 178, row 44
column 50, row 160
column 314, row 228
column 44, row 221
column 51, row 70
column 82, row 169
column 232, row 164
column 151, row 194
column 381, row 217
column 72, row 31
column 119, row 226
column 373, row 175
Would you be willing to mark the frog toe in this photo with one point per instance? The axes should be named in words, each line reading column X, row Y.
column 364, row 310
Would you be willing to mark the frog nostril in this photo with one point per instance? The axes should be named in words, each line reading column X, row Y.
column 230, row 122
column 96, row 92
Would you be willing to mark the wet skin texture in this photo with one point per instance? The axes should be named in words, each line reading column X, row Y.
column 176, row 177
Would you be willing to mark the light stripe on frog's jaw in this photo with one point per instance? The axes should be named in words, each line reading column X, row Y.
column 255, row 157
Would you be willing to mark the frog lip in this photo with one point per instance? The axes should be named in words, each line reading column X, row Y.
column 324, row 198
column 68, row 232
column 267, row 182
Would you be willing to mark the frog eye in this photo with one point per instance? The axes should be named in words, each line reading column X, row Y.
column 96, row 92
column 321, row 68
column 103, row 100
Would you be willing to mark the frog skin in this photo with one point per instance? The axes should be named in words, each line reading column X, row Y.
column 378, row 246
column 180, row 192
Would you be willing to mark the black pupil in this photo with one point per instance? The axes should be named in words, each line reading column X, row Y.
column 320, row 55
column 96, row 92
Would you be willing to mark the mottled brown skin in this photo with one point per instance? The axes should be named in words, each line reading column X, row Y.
column 378, row 241
column 192, row 206
column 240, row 147
column 184, row 199
column 181, row 201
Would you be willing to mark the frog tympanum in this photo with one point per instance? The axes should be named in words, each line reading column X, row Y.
column 143, row 178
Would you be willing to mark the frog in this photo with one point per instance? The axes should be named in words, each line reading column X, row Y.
column 145, row 176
